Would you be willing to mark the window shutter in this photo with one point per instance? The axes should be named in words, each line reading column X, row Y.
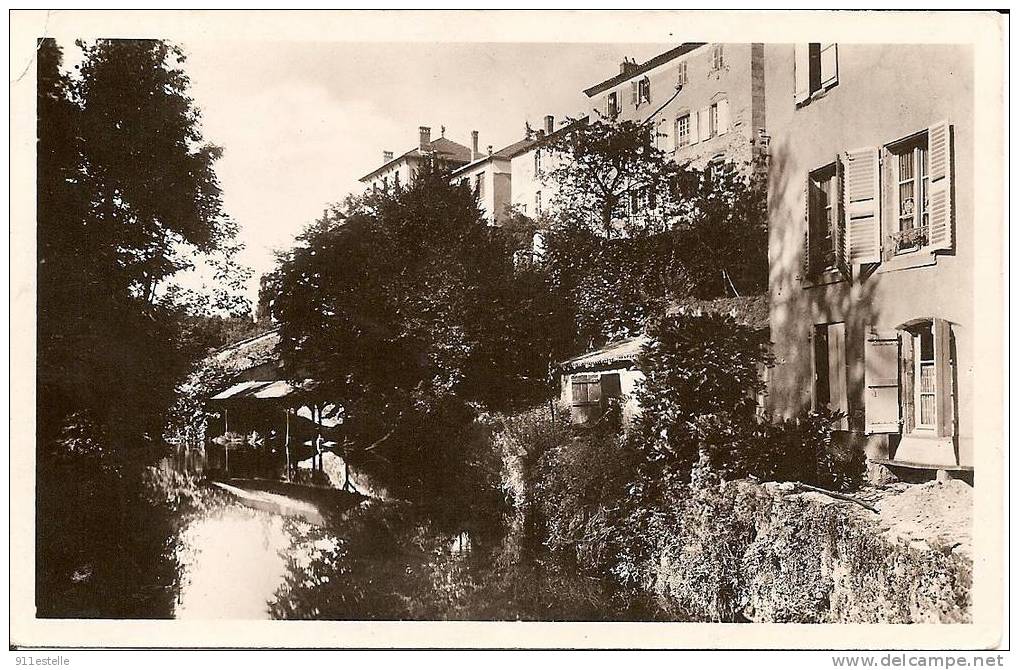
column 806, row 267
column 907, row 375
column 862, row 209
column 704, row 121
column 839, row 234
column 940, row 197
column 829, row 64
column 881, row 373
column 837, row 392
column 695, row 122
column 634, row 93
column 945, row 420
column 723, row 116
column 802, row 73
column 647, row 89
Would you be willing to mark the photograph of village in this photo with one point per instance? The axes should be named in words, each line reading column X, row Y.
column 591, row 332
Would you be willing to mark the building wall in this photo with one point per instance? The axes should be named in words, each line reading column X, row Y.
column 884, row 93
column 739, row 80
column 497, row 181
column 405, row 168
column 629, row 378
column 526, row 184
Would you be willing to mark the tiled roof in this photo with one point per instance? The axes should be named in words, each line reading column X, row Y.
column 660, row 59
column 614, row 352
column 525, row 145
column 448, row 149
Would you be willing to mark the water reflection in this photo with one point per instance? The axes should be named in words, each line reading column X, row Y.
column 231, row 560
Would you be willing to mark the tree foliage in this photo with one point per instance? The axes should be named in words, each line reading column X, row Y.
column 127, row 197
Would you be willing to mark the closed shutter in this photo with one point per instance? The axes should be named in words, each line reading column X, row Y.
column 940, row 198
column 881, row 374
column 945, row 419
column 862, row 203
column 829, row 64
column 723, row 117
column 837, row 388
column 802, row 73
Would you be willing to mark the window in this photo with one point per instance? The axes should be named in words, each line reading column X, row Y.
column 683, row 131
column 644, row 90
column 537, row 161
column 682, row 80
column 612, row 107
column 822, row 219
column 385, row 184
column 910, row 377
column 479, row 185
column 816, row 69
column 396, row 181
column 713, row 120
column 537, row 202
column 717, row 60
column 911, row 191
column 830, row 371
column 585, row 389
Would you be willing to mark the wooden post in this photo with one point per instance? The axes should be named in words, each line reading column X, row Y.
column 226, row 441
column 286, row 440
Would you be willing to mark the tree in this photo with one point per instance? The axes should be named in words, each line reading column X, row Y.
column 127, row 198
column 631, row 231
column 407, row 310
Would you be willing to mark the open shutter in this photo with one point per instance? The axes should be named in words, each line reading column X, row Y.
column 802, row 73
column 940, row 197
column 814, row 215
column 837, row 388
column 862, row 206
column 693, row 124
column 838, row 235
column 907, row 375
column 881, row 365
column 806, row 266
column 634, row 93
column 829, row 64
column 723, row 117
column 945, row 419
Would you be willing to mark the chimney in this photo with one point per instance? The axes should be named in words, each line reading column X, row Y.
column 549, row 124
column 387, row 156
column 424, row 137
column 626, row 67
column 489, row 150
column 540, row 134
column 475, row 154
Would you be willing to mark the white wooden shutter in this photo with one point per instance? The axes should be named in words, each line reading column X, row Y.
column 839, row 215
column 862, row 206
column 837, row 388
column 634, row 93
column 829, row 64
column 944, row 400
column 806, row 265
column 940, row 175
column 695, row 126
column 723, row 116
column 801, row 65
column 881, row 374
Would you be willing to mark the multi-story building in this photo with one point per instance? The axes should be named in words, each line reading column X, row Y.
column 530, row 164
column 489, row 175
column 400, row 170
column 706, row 101
column 871, row 245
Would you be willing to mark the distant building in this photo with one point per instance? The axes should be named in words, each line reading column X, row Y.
column 705, row 101
column 871, row 245
column 530, row 165
column 489, row 175
column 398, row 171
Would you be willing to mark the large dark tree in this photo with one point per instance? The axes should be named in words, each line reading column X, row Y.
column 127, row 197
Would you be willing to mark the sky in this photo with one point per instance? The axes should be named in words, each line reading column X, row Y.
column 300, row 122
